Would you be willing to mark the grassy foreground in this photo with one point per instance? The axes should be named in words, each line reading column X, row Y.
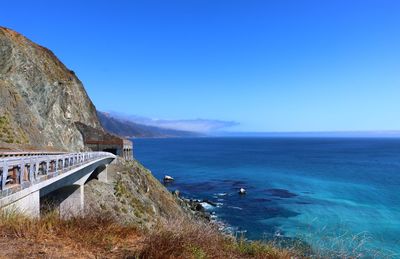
column 99, row 236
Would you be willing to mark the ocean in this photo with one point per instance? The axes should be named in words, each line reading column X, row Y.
column 336, row 194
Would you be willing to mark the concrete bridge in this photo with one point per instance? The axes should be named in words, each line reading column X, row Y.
column 29, row 179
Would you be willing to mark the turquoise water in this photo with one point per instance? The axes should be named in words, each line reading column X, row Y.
column 336, row 194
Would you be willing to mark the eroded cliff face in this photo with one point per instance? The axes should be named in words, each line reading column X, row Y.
column 40, row 99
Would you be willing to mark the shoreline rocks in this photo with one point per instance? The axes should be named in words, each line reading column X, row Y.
column 199, row 211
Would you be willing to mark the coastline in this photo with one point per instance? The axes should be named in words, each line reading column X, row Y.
column 201, row 209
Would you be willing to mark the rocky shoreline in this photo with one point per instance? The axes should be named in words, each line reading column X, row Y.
column 197, row 209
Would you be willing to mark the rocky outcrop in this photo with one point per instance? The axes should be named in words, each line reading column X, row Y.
column 40, row 98
column 133, row 196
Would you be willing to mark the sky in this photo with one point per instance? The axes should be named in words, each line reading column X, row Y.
column 267, row 66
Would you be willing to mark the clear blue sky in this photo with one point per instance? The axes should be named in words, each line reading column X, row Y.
column 270, row 65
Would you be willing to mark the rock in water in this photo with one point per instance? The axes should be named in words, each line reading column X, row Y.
column 210, row 203
column 168, row 178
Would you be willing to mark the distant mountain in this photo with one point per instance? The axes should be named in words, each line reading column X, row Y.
column 130, row 129
column 204, row 126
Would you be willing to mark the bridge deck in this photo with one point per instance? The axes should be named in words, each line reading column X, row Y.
column 20, row 172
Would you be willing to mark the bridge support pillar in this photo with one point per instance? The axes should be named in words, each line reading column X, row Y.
column 28, row 205
column 73, row 203
column 103, row 175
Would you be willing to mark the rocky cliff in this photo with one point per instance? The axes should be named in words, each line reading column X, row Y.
column 40, row 98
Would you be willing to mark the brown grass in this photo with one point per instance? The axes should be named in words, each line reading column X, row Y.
column 95, row 235
column 186, row 239
column 99, row 236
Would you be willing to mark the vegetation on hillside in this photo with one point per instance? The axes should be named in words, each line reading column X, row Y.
column 9, row 134
column 98, row 235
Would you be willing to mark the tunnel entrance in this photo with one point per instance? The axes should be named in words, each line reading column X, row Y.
column 111, row 150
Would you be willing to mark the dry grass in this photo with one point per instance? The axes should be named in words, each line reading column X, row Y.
column 185, row 239
column 99, row 236
column 90, row 236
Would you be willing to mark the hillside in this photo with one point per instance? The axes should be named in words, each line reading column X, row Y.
column 40, row 98
column 131, row 129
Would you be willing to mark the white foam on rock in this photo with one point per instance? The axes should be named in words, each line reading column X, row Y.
column 206, row 206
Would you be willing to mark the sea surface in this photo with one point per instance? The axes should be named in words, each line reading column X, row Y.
column 337, row 194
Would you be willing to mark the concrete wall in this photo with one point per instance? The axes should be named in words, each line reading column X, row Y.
column 28, row 205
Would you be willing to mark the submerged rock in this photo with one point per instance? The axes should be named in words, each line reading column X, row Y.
column 281, row 193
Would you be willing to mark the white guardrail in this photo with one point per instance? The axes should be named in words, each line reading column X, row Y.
column 19, row 172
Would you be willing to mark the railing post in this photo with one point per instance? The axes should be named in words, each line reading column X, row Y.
column 56, row 166
column 4, row 175
column 31, row 178
column 37, row 164
column 47, row 166
column 21, row 173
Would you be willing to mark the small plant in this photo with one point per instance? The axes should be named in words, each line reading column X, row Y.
column 197, row 252
column 9, row 134
column 120, row 189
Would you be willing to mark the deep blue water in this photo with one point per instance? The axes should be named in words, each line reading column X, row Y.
column 329, row 192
